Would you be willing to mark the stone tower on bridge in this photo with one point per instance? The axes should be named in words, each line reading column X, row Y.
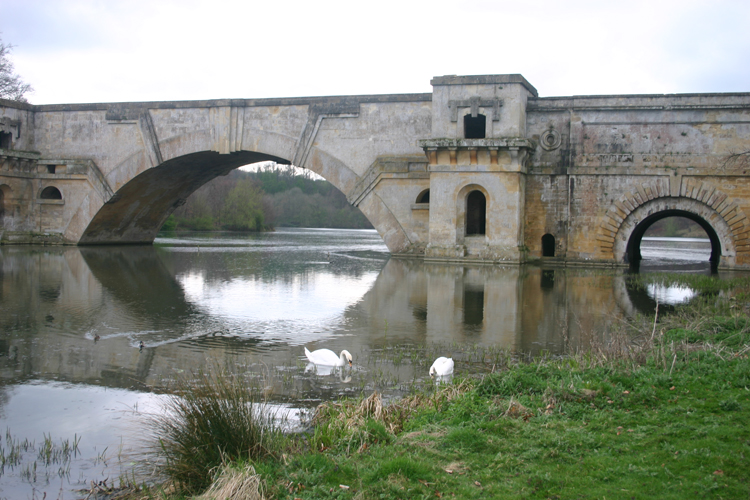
column 480, row 170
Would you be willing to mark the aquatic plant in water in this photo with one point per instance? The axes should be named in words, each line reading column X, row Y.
column 213, row 418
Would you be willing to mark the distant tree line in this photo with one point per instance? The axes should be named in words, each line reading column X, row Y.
column 273, row 196
column 676, row 227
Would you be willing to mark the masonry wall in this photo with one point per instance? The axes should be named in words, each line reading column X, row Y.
column 598, row 159
column 586, row 170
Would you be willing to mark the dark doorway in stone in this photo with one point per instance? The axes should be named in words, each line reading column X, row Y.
column 548, row 245
column 51, row 193
column 424, row 196
column 5, row 140
column 475, row 127
column 476, row 213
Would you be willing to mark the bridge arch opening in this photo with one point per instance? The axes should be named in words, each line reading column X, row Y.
column 139, row 207
column 424, row 196
column 548, row 245
column 475, row 127
column 476, row 213
column 633, row 250
column 50, row 193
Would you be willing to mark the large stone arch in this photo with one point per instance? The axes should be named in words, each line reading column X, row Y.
column 629, row 218
column 146, row 194
column 138, row 209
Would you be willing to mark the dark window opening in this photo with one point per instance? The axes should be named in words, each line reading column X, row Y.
column 51, row 193
column 5, row 140
column 50, row 169
column 475, row 126
column 473, row 305
column 424, row 196
column 476, row 213
column 2, row 207
column 548, row 245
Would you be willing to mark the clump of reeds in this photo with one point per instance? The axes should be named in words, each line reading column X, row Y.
column 212, row 419
column 368, row 420
column 237, row 483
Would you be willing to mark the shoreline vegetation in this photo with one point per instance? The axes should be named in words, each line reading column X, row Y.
column 661, row 410
column 260, row 200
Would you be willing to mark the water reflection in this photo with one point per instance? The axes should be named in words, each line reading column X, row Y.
column 72, row 320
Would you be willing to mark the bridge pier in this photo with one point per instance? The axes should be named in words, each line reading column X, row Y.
column 481, row 170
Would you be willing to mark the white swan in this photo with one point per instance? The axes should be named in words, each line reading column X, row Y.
column 442, row 367
column 327, row 357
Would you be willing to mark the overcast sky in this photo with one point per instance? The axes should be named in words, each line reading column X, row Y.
column 149, row 50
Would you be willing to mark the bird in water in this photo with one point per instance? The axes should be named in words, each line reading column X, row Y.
column 327, row 357
column 141, row 345
column 96, row 338
column 442, row 367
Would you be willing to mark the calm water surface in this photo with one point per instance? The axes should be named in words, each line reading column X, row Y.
column 72, row 321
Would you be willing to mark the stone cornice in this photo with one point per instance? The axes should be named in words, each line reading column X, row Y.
column 499, row 143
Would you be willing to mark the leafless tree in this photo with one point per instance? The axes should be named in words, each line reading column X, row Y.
column 11, row 85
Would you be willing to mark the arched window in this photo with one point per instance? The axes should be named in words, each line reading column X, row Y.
column 548, row 245
column 475, row 126
column 476, row 213
column 424, row 196
column 51, row 193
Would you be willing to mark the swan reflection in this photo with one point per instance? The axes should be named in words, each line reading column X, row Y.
column 325, row 371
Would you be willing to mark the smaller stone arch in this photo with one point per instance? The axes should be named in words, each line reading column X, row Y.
column 424, row 196
column 50, row 193
column 628, row 218
column 627, row 244
column 548, row 245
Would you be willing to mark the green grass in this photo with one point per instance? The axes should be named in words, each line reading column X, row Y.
column 666, row 416
column 589, row 433
column 662, row 411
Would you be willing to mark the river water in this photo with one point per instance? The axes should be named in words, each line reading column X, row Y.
column 72, row 320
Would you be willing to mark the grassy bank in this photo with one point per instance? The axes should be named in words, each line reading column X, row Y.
column 664, row 413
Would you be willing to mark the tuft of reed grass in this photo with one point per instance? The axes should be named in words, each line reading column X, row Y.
column 360, row 423
column 237, row 483
column 212, row 419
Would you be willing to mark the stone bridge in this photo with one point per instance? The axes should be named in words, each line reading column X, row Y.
column 480, row 170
